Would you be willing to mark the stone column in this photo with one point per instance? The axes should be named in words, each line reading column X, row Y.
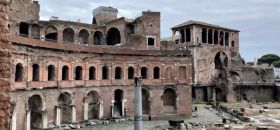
column 14, row 121
column 214, row 95
column 209, row 94
column 45, row 119
column 73, row 113
column 112, row 108
column 85, row 111
column 123, row 104
column 58, row 120
column 59, row 35
column 28, row 117
column 101, row 110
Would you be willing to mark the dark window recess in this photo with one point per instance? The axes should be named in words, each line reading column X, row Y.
column 151, row 41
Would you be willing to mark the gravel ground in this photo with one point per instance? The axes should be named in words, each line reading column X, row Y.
column 204, row 116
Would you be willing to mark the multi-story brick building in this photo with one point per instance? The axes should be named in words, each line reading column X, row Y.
column 64, row 71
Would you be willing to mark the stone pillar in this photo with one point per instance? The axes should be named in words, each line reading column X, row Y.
column 214, row 95
column 101, row 110
column 209, row 94
column 123, row 104
column 60, row 36
column 28, row 118
column 85, row 111
column 58, row 120
column 45, row 119
column 112, row 108
column 73, row 113
column 14, row 121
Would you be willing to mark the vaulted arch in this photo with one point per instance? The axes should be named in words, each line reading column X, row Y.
column 113, row 36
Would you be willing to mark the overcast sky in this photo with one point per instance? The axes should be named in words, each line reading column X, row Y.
column 258, row 20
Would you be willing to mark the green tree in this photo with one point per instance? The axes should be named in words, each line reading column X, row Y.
column 268, row 59
column 276, row 64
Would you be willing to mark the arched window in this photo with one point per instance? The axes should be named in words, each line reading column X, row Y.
column 204, row 35
column 216, row 37
column 35, row 72
column 68, row 35
column 210, row 36
column 35, row 31
column 221, row 38
column 169, row 73
column 24, row 29
column 118, row 73
column 105, row 73
column 130, row 73
column 156, row 73
column 97, row 38
column 78, row 73
column 227, row 39
column 51, row 33
column 92, row 73
column 83, row 36
column 113, row 36
column 51, row 73
column 65, row 73
column 144, row 73
column 188, row 35
column 19, row 73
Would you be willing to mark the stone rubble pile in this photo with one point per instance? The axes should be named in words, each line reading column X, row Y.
column 89, row 123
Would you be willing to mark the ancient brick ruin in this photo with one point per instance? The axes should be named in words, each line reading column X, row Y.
column 64, row 71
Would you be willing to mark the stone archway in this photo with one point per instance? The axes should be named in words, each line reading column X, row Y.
column 93, row 105
column 169, row 101
column 118, row 104
column 113, row 36
column 145, row 102
column 64, row 102
column 36, row 114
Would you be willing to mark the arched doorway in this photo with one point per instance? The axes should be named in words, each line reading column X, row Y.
column 64, row 102
column 93, row 105
column 36, row 114
column 145, row 102
column 97, row 38
column 169, row 101
column 51, row 33
column 83, row 36
column 113, row 36
column 68, row 35
column 118, row 105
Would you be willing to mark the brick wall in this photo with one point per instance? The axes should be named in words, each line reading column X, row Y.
column 4, row 68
